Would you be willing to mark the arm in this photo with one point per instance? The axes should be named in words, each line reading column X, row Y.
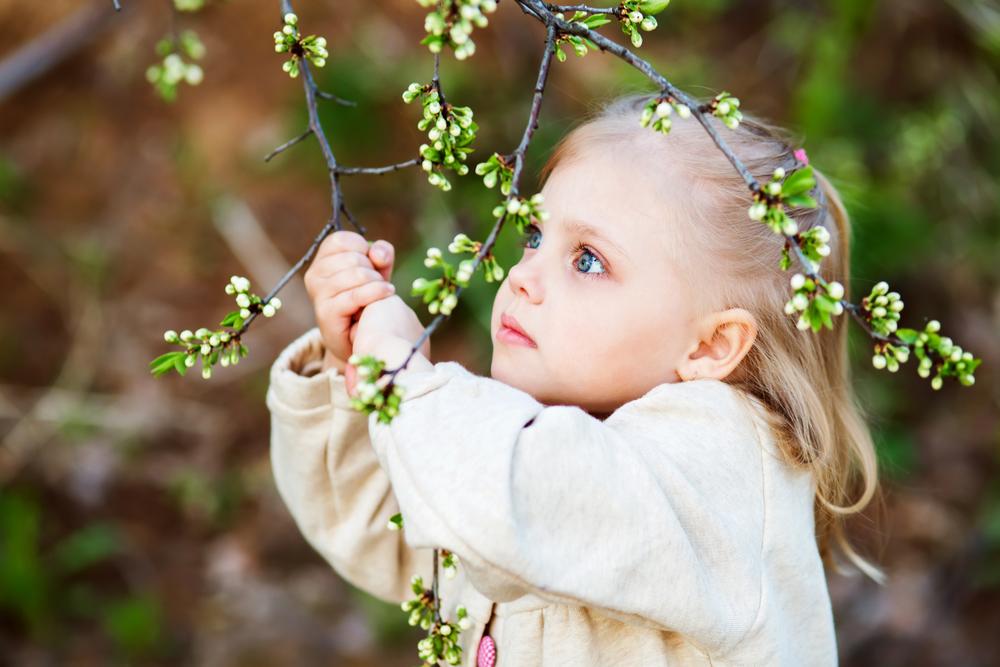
column 327, row 474
column 654, row 516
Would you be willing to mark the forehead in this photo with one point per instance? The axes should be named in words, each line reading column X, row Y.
column 622, row 194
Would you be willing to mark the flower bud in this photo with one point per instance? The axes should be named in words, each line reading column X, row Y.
column 779, row 173
column 798, row 281
column 170, row 336
column 268, row 310
column 933, row 326
column 878, row 361
column 835, row 290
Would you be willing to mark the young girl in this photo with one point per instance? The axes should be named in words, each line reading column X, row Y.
column 656, row 469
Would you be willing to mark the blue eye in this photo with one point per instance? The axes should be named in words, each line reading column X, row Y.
column 585, row 261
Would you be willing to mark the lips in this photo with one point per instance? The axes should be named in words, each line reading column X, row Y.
column 512, row 324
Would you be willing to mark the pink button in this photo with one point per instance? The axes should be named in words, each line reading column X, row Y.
column 487, row 655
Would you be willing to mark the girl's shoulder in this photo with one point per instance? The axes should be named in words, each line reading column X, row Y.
column 706, row 403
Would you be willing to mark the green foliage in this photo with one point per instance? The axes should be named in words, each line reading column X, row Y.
column 288, row 40
column 174, row 69
column 450, row 129
column 218, row 346
column 451, row 23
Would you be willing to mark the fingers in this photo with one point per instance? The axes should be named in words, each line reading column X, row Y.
column 382, row 255
column 349, row 301
column 340, row 241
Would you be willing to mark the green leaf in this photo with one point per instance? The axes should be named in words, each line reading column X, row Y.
column 799, row 201
column 908, row 336
column 560, row 56
column 653, row 6
column 799, row 181
column 179, row 365
column 596, row 21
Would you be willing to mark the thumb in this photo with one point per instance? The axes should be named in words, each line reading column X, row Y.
column 382, row 255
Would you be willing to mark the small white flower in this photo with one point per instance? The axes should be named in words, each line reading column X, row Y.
column 774, row 188
column 206, row 348
column 276, row 302
column 757, row 211
column 189, row 360
column 802, row 324
column 835, row 290
column 663, row 110
column 798, row 281
column 684, row 111
column 779, row 173
column 933, row 326
column 800, row 301
column 245, row 313
column 169, row 335
column 513, row 205
column 291, row 18
column 881, row 287
column 465, row 623
column 213, row 340
column 206, row 372
column 879, row 361
column 242, row 300
column 268, row 310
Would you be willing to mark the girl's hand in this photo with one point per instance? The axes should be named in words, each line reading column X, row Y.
column 346, row 275
column 388, row 328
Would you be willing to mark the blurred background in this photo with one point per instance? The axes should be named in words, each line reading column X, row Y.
column 139, row 523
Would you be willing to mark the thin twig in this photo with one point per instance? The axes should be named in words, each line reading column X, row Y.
column 288, row 144
column 339, row 100
column 379, row 170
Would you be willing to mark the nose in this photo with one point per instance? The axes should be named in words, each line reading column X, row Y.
column 524, row 280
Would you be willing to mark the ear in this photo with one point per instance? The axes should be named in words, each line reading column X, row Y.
column 722, row 339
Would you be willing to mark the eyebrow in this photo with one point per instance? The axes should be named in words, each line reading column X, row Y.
column 586, row 229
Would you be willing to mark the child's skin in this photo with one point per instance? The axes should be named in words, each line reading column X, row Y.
column 608, row 324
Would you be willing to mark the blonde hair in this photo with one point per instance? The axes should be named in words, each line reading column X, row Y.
column 803, row 378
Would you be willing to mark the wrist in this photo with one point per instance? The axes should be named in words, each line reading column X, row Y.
column 394, row 350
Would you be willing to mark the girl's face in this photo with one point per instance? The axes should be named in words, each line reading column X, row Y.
column 595, row 290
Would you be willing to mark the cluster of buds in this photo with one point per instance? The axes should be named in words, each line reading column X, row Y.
column 440, row 294
column 883, row 308
column 449, row 563
column 450, row 130
column 814, row 243
column 891, row 356
column 496, row 169
column 520, row 211
column 818, row 303
column 638, row 14
column 211, row 346
column 726, row 107
column 174, row 69
column 370, row 396
column 952, row 360
column 770, row 200
column 441, row 643
column 248, row 303
column 421, row 607
column 658, row 111
column 288, row 40
column 220, row 346
column 577, row 43
column 491, row 269
column 451, row 23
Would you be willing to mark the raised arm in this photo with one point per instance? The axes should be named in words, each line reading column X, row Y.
column 328, row 476
column 656, row 513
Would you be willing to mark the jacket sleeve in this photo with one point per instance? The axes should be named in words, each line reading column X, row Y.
column 654, row 516
column 327, row 475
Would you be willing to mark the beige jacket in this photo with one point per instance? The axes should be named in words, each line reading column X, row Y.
column 668, row 534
